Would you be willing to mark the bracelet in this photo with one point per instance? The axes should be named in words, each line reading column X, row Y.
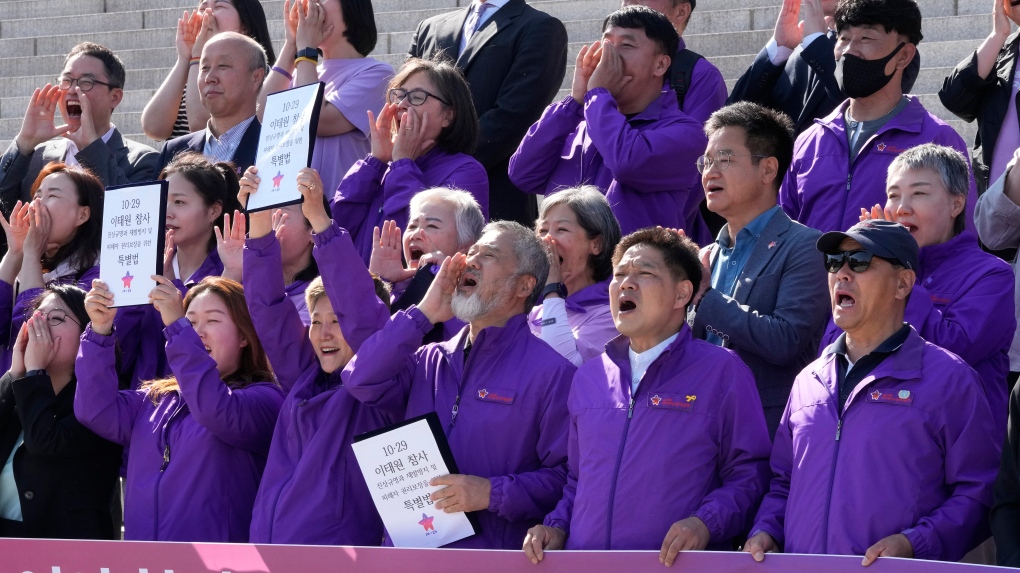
column 194, row 60
column 305, row 59
column 283, row 73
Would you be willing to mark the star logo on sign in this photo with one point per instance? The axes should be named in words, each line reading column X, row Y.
column 277, row 180
column 483, row 393
column 656, row 400
column 876, row 395
column 127, row 281
column 426, row 522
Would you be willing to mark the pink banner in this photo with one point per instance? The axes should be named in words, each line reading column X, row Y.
column 54, row 556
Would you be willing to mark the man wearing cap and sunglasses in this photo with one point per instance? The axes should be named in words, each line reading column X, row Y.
column 884, row 449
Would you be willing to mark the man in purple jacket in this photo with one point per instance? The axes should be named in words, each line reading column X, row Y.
column 840, row 163
column 887, row 446
column 500, row 391
column 620, row 129
column 654, row 397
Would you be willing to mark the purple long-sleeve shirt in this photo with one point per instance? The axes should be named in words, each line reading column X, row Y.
column 511, row 411
column 691, row 441
column 913, row 453
column 589, row 320
column 312, row 490
column 824, row 190
column 644, row 164
column 373, row 192
column 197, row 456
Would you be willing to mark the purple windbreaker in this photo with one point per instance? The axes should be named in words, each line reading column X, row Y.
column 373, row 192
column 645, row 165
column 824, row 191
column 589, row 316
column 196, row 457
column 312, row 490
column 963, row 302
column 511, row 403
column 691, row 441
column 913, row 453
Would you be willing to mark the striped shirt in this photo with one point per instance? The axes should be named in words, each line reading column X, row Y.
column 181, row 126
column 224, row 147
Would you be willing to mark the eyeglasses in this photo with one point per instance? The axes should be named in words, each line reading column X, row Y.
column 721, row 161
column 85, row 83
column 56, row 317
column 414, row 97
column 859, row 261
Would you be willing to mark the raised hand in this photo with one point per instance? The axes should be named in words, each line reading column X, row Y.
column 436, row 303
column 169, row 252
column 555, row 273
column 381, row 132
column 310, row 186
column 207, row 30
column 814, row 19
column 17, row 228
column 18, row 352
column 41, row 346
column 387, row 254
column 312, row 28
column 609, row 73
column 38, row 125
column 291, row 15
column 584, row 66
column 37, row 237
column 230, row 245
column 410, row 141
column 97, row 305
column 188, row 27
column 787, row 32
column 1001, row 25
column 167, row 300
column 86, row 132
column 878, row 212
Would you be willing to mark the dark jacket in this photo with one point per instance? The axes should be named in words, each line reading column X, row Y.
column 65, row 473
column 971, row 97
column 805, row 87
column 1005, row 515
column 514, row 65
column 244, row 155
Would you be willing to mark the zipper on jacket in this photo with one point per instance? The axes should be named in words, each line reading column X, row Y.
column 832, row 477
column 166, row 462
column 453, row 413
column 166, row 458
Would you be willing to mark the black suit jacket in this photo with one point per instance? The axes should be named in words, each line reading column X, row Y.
column 119, row 161
column 514, row 65
column 65, row 473
column 244, row 155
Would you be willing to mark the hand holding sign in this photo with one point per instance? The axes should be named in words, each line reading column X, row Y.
column 462, row 493
column 167, row 300
column 98, row 304
column 134, row 235
column 310, row 185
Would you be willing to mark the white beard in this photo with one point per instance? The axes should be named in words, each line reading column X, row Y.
column 474, row 306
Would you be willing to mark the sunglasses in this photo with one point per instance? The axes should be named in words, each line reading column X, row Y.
column 859, row 261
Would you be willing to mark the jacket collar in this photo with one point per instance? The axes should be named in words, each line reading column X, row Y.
column 618, row 348
column 492, row 338
column 764, row 248
column 660, row 107
column 932, row 256
column 908, row 120
column 903, row 364
column 591, row 295
column 500, row 20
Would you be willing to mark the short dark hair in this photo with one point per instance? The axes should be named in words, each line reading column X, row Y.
column 679, row 252
column 114, row 68
column 214, row 182
column 769, row 133
column 359, row 18
column 461, row 136
column 253, row 24
column 82, row 253
column 900, row 16
column 656, row 25
column 70, row 294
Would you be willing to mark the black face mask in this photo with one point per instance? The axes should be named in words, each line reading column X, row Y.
column 859, row 78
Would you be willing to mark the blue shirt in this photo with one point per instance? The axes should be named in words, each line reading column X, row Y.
column 730, row 262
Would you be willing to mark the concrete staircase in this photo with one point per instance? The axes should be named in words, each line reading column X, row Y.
column 35, row 35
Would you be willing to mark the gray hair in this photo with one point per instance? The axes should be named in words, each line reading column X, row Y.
column 467, row 214
column 595, row 216
column 530, row 253
column 256, row 55
column 948, row 163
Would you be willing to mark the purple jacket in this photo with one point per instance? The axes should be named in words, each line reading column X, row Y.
column 589, row 317
column 914, row 453
column 373, row 192
column 816, row 193
column 196, row 457
column 645, row 165
column 312, row 490
column 697, row 405
column 963, row 302
column 519, row 444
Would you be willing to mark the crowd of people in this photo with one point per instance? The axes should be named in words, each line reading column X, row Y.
column 780, row 321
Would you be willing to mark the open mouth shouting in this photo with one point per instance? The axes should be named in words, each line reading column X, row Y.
column 627, row 304
column 844, row 300
column 713, row 188
column 73, row 109
column 468, row 282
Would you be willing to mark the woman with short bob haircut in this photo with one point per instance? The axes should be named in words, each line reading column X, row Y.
column 198, row 438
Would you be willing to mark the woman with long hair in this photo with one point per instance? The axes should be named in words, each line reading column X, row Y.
column 171, row 113
column 198, row 438
column 58, row 476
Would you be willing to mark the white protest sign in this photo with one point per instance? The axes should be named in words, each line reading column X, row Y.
column 398, row 463
column 286, row 142
column 134, row 227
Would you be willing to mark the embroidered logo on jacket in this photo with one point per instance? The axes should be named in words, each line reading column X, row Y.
column 672, row 402
column 902, row 397
column 498, row 396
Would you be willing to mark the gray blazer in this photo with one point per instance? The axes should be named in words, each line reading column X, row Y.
column 117, row 162
column 777, row 313
column 997, row 219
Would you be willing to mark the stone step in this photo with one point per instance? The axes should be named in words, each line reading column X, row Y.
column 19, row 10
column 181, row 5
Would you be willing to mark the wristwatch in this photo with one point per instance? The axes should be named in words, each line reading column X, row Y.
column 32, row 373
column 558, row 288
column 311, row 53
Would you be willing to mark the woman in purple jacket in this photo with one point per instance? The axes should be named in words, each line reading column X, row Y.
column 199, row 438
column 580, row 233
column 55, row 238
column 421, row 139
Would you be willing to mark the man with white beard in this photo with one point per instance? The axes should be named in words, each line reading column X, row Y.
column 492, row 376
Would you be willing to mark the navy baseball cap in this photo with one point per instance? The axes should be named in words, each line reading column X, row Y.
column 891, row 241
